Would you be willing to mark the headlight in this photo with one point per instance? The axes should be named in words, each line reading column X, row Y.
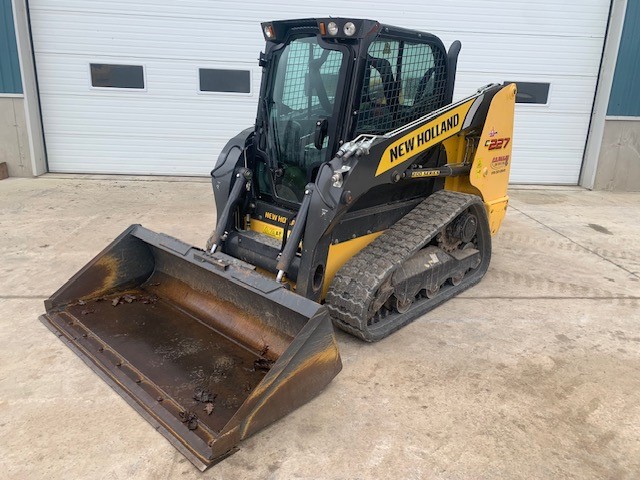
column 332, row 28
column 268, row 31
column 349, row 29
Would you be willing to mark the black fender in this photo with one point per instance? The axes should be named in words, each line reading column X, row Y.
column 230, row 157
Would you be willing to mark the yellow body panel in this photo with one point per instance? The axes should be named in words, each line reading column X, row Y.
column 496, row 210
column 340, row 253
column 267, row 228
column 489, row 176
column 492, row 162
column 423, row 138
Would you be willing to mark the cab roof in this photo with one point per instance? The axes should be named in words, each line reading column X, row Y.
column 363, row 28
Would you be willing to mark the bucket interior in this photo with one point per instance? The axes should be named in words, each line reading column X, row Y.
column 205, row 372
column 197, row 340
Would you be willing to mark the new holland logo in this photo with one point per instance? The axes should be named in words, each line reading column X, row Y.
column 423, row 137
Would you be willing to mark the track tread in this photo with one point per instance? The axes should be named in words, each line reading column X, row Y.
column 352, row 292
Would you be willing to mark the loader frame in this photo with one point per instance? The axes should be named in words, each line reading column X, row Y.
column 212, row 345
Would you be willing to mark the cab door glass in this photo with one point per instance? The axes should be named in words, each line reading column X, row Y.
column 303, row 94
column 403, row 81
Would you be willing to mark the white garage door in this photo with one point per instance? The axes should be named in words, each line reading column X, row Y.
column 163, row 124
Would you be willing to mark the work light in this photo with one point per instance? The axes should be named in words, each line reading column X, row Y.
column 349, row 29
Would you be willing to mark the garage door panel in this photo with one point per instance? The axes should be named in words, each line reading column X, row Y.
column 137, row 144
column 148, row 118
column 542, row 168
column 555, row 131
column 514, row 17
column 163, row 156
column 159, row 37
column 527, row 54
column 69, row 75
column 119, row 109
column 147, row 37
column 171, row 128
column 566, row 94
column 169, row 107
column 544, row 153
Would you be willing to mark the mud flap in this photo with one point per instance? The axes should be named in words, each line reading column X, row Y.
column 202, row 346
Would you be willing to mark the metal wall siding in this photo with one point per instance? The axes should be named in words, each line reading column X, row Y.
column 171, row 128
column 10, row 81
column 624, row 100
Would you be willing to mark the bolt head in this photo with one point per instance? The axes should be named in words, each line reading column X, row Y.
column 336, row 180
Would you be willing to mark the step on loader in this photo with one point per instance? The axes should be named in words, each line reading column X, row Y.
column 362, row 198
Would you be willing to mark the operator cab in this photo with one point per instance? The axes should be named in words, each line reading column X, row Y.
column 326, row 81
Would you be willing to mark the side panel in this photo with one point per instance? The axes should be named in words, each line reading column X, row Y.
column 492, row 161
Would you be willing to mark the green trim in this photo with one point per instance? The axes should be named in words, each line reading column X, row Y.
column 625, row 98
column 10, row 81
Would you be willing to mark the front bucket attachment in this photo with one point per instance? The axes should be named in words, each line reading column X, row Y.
column 202, row 346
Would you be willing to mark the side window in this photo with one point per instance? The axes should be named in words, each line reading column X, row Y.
column 298, row 87
column 403, row 81
column 418, row 68
column 226, row 81
column 296, row 58
column 329, row 71
column 532, row 92
column 378, row 88
column 105, row 75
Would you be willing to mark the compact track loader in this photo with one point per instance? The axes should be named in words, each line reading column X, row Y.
column 362, row 197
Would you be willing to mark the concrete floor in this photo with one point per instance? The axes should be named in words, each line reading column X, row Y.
column 534, row 373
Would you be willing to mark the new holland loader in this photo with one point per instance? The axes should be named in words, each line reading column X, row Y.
column 363, row 197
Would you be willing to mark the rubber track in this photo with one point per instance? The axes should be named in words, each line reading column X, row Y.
column 352, row 292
